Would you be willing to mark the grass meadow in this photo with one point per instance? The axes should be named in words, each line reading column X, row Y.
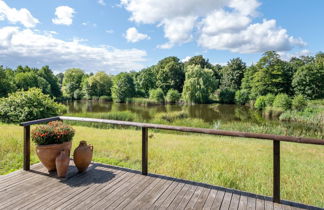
column 242, row 164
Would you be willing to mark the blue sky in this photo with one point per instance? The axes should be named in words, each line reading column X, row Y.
column 124, row 35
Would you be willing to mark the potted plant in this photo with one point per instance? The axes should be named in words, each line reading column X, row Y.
column 51, row 139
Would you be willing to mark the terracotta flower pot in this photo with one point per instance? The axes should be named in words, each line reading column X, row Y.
column 62, row 163
column 83, row 156
column 48, row 153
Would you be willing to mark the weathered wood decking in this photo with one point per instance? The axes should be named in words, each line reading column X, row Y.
column 108, row 187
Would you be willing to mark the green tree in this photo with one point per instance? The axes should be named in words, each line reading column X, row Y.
column 99, row 85
column 72, row 81
column 146, row 80
column 199, row 84
column 6, row 85
column 123, row 87
column 309, row 81
column 26, row 80
column 170, row 74
column 232, row 74
column 46, row 73
column 273, row 76
column 198, row 60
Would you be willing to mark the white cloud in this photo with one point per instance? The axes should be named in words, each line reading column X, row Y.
column 258, row 37
column 25, row 46
column 132, row 35
column 22, row 16
column 214, row 24
column 110, row 31
column 178, row 31
column 64, row 15
column 187, row 58
column 102, row 2
column 287, row 56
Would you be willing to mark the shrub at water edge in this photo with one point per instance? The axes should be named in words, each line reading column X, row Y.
column 157, row 95
column 282, row 101
column 260, row 103
column 173, row 96
column 299, row 103
column 241, row 97
column 28, row 105
column 269, row 98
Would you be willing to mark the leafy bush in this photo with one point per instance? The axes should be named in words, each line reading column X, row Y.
column 227, row 96
column 171, row 116
column 260, row 103
column 269, row 98
column 299, row 103
column 105, row 98
column 52, row 133
column 28, row 105
column 241, row 97
column 173, row 96
column 282, row 101
column 157, row 95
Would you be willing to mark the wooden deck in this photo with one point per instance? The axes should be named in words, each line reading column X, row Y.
column 110, row 187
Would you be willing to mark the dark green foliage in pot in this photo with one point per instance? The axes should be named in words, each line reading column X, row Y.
column 227, row 96
column 241, row 97
column 173, row 96
column 299, row 103
column 28, row 105
column 282, row 101
column 157, row 95
column 53, row 133
column 260, row 103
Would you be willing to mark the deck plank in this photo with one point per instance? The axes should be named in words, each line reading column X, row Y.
column 109, row 187
column 186, row 198
column 202, row 198
column 218, row 200
column 226, row 201
column 194, row 198
column 235, row 201
column 251, row 203
column 210, row 199
column 243, row 203
column 176, row 201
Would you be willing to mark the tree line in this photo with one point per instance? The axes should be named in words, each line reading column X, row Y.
column 193, row 81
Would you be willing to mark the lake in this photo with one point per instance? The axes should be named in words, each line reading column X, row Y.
column 223, row 116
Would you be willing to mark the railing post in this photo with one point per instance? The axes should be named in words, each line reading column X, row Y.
column 144, row 150
column 27, row 148
column 276, row 171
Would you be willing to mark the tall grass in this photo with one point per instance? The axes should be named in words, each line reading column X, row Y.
column 143, row 101
column 243, row 164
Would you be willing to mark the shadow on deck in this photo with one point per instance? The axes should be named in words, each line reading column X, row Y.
column 110, row 187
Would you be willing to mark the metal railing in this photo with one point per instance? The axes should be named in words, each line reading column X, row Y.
column 145, row 126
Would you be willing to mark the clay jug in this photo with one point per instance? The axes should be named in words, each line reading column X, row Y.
column 83, row 156
column 62, row 163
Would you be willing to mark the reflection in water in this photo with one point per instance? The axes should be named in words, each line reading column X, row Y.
column 215, row 114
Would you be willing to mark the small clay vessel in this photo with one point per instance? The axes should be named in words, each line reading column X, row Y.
column 83, row 156
column 62, row 163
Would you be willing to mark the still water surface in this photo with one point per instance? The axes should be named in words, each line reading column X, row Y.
column 213, row 114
